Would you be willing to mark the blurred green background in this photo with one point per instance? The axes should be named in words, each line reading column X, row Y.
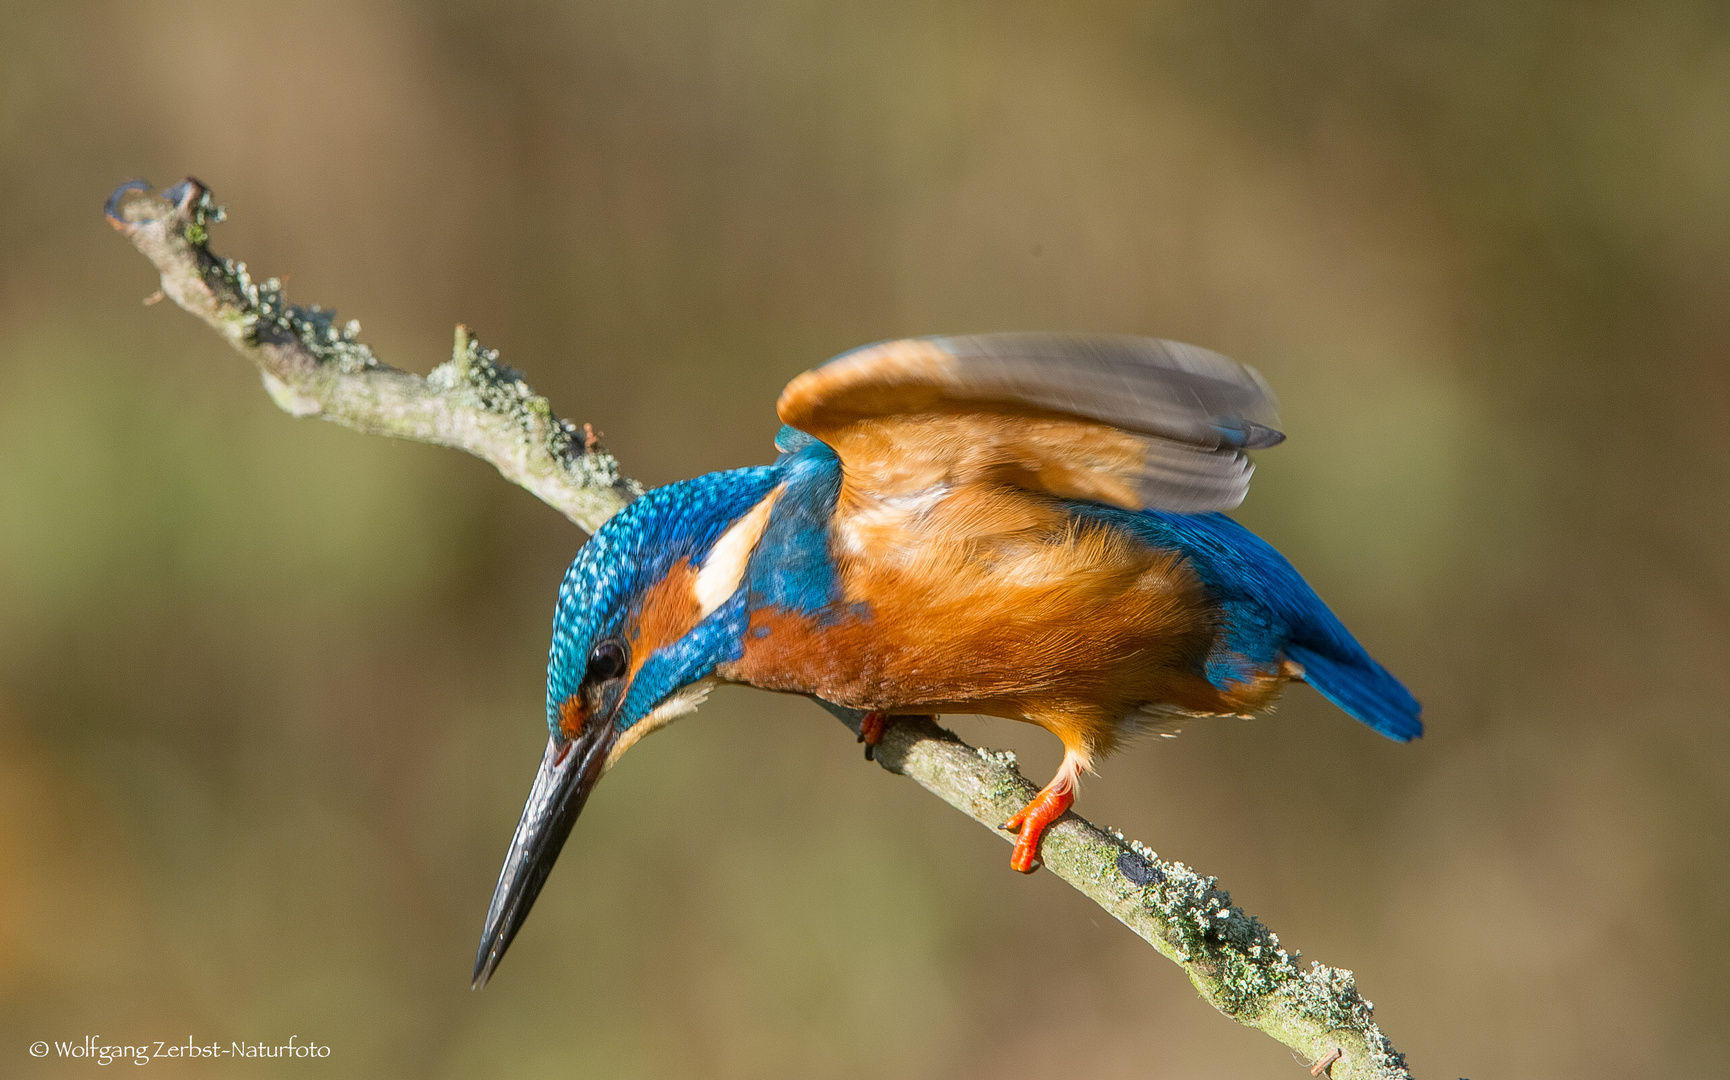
column 271, row 692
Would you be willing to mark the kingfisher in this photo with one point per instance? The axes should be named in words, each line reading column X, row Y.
column 1026, row 526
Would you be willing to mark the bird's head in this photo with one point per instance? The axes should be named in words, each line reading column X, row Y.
column 652, row 603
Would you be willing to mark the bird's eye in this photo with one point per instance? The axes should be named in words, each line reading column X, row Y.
column 607, row 661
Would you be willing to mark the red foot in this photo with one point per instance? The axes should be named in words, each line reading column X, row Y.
column 1032, row 822
column 871, row 731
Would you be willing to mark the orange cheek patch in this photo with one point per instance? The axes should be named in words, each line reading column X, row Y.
column 668, row 612
column 572, row 717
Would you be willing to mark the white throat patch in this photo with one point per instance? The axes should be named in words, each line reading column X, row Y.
column 724, row 569
column 681, row 702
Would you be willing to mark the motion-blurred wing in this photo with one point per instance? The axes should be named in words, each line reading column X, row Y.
column 1133, row 422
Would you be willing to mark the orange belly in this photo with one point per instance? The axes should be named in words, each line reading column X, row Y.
column 1003, row 606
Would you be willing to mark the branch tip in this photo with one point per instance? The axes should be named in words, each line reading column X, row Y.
column 119, row 206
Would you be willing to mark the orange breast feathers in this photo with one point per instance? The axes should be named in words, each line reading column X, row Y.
column 992, row 600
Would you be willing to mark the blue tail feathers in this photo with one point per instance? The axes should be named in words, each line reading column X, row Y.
column 1269, row 610
column 1362, row 688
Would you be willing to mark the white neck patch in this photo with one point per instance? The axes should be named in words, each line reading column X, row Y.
column 724, row 569
column 681, row 702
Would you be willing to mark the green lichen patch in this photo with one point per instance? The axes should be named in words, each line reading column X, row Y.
column 203, row 213
column 1383, row 1057
column 334, row 347
column 1329, row 997
column 1244, row 971
column 1243, row 959
column 1007, row 783
column 262, row 308
column 475, row 371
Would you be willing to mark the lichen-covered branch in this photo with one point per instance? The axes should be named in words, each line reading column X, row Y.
column 1238, row 964
column 311, row 367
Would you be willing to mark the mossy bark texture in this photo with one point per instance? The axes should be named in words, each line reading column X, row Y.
column 312, row 367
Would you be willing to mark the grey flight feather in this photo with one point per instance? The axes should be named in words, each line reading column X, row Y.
column 1147, row 385
column 1201, row 409
column 1190, row 480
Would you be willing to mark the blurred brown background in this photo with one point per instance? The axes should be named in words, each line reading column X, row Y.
column 271, row 692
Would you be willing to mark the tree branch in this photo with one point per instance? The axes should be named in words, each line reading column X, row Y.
column 311, row 367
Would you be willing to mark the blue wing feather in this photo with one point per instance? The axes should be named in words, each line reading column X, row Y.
column 793, row 567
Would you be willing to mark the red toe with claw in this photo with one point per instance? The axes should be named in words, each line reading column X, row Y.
column 871, row 731
column 1032, row 822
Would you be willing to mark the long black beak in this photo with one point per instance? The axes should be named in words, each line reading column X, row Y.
column 569, row 769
